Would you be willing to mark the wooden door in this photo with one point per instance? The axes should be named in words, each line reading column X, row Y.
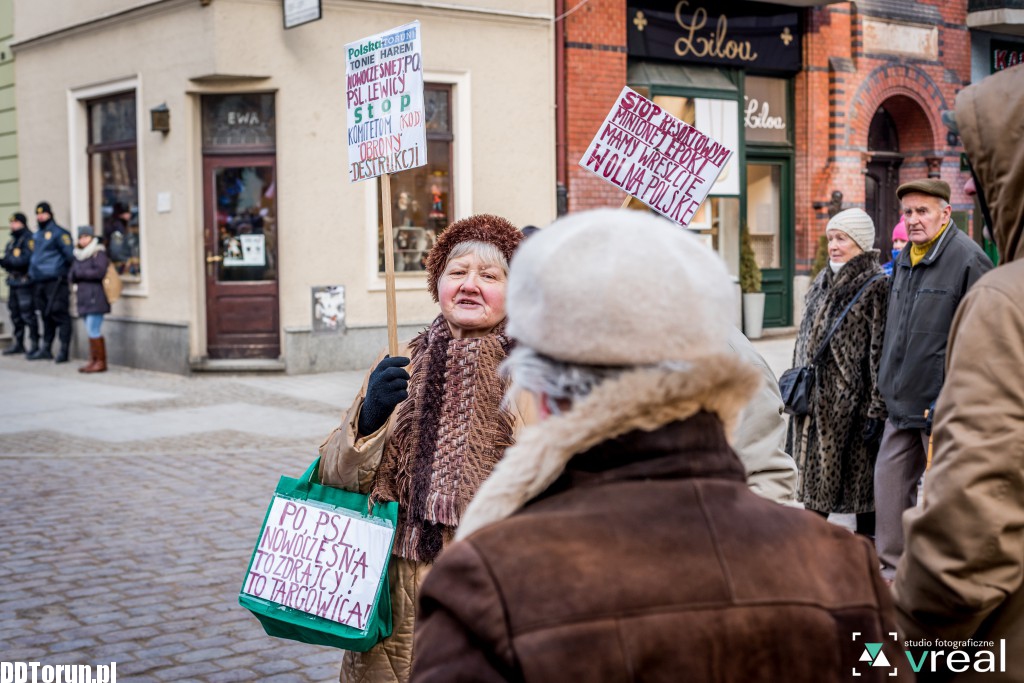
column 240, row 234
column 770, row 224
column 880, row 183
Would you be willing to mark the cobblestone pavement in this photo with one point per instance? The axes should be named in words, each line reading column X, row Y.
column 132, row 505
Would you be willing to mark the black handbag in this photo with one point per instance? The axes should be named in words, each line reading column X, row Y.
column 797, row 384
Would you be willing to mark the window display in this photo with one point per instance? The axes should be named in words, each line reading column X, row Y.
column 114, row 180
column 421, row 198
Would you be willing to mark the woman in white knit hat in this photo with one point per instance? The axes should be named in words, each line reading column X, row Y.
column 618, row 540
column 836, row 443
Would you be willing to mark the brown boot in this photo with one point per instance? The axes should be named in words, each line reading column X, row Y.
column 98, row 352
column 92, row 357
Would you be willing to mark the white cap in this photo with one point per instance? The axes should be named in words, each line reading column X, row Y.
column 619, row 287
column 857, row 224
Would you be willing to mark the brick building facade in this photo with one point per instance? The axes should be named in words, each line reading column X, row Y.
column 862, row 112
column 896, row 66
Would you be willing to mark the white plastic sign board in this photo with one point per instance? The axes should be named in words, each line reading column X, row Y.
column 384, row 96
column 323, row 562
column 245, row 250
column 298, row 12
column 667, row 164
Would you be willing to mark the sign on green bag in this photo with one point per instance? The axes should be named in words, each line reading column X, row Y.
column 319, row 572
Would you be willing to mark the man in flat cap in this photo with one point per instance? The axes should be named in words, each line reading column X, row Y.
column 929, row 279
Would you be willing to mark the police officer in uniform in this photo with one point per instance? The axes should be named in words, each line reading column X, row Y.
column 19, row 302
column 51, row 259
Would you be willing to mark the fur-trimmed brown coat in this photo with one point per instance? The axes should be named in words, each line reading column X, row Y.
column 618, row 541
column 836, row 465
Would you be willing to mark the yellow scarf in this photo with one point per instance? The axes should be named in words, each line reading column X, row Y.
column 919, row 251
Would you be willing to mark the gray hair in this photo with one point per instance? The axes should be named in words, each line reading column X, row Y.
column 489, row 253
column 533, row 372
column 528, row 370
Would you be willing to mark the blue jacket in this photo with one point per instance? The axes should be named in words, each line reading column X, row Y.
column 53, row 253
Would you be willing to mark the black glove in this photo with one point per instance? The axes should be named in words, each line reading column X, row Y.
column 386, row 389
column 873, row 430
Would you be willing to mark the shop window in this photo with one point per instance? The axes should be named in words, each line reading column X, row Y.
column 114, row 179
column 717, row 220
column 765, row 114
column 764, row 211
column 422, row 198
column 240, row 123
column 717, row 224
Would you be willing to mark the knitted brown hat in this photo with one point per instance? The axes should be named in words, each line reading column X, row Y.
column 480, row 228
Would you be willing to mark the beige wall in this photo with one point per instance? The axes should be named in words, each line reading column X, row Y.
column 53, row 143
column 34, row 18
column 39, row 17
column 501, row 67
column 10, row 199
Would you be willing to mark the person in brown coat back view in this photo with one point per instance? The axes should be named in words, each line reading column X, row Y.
column 617, row 539
column 960, row 576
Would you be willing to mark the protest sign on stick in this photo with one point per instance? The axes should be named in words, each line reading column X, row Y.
column 666, row 163
column 386, row 125
column 389, row 265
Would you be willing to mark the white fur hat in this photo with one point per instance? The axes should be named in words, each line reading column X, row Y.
column 857, row 224
column 619, row 287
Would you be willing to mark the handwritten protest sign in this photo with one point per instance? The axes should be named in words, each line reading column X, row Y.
column 323, row 562
column 384, row 95
column 662, row 161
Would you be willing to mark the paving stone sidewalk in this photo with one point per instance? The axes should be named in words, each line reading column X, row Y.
column 132, row 505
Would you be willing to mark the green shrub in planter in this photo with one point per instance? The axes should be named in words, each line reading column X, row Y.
column 750, row 272
column 820, row 257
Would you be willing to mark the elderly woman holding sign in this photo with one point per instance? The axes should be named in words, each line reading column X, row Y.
column 429, row 425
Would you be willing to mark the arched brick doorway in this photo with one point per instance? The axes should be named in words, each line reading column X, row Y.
column 882, row 177
column 900, row 147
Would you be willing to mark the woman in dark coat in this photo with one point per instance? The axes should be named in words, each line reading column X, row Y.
column 87, row 273
column 836, row 443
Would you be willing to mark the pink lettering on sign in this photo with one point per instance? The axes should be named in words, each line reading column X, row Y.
column 662, row 161
column 384, row 100
column 320, row 562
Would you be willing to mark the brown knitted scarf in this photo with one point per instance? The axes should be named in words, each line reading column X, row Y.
column 448, row 436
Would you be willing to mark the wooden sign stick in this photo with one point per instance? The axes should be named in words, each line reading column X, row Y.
column 389, row 264
column 626, row 201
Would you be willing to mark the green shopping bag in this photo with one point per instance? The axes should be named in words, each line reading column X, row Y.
column 319, row 572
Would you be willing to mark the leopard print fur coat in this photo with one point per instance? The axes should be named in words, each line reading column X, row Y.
column 836, row 466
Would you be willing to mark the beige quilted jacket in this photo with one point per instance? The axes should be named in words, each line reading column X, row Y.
column 350, row 463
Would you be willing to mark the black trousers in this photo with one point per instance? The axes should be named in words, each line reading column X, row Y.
column 23, row 313
column 52, row 300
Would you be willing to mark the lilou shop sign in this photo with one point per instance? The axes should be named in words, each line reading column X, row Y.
column 740, row 34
